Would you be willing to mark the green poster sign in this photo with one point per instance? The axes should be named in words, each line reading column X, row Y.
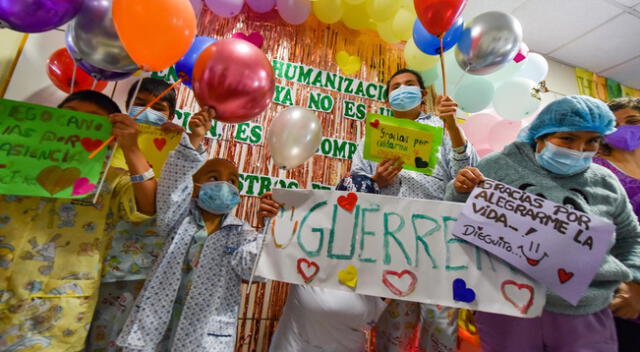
column 44, row 151
column 416, row 144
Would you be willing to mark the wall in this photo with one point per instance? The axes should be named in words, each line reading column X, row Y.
column 9, row 45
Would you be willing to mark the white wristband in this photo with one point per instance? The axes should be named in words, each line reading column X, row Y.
column 149, row 174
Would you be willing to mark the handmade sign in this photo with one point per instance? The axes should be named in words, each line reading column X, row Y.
column 44, row 151
column 154, row 144
column 555, row 244
column 389, row 247
column 416, row 144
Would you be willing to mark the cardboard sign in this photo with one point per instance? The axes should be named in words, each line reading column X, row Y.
column 417, row 144
column 556, row 245
column 155, row 146
column 44, row 151
column 389, row 247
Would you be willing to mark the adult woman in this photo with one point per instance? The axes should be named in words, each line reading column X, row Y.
column 554, row 160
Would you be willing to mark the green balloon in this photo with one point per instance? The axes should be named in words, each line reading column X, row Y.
column 474, row 94
column 429, row 76
column 506, row 72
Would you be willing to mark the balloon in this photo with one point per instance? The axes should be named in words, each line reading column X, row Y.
column 60, row 68
column 455, row 75
column 535, row 68
column 476, row 128
column 401, row 25
column 513, row 99
column 430, row 44
column 491, row 40
column 155, row 33
column 294, row 11
column 416, row 59
column 355, row 16
column 382, row 10
column 429, row 76
column 184, row 66
column 327, row 11
column 522, row 53
column 503, row 133
column 354, row 2
column 483, row 150
column 261, row 6
column 385, row 31
column 197, row 6
column 102, row 75
column 91, row 37
column 225, row 8
column 437, row 16
column 290, row 149
column 474, row 94
column 34, row 16
column 235, row 78
column 506, row 72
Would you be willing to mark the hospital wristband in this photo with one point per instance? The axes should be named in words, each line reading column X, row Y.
column 149, row 174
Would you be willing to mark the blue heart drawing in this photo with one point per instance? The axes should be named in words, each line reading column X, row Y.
column 461, row 292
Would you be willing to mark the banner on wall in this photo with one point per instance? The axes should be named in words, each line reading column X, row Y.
column 389, row 247
column 44, row 151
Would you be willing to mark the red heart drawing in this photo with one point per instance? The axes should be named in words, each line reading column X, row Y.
column 254, row 38
column 375, row 123
column 348, row 202
column 159, row 143
column 564, row 275
column 393, row 288
column 2, row 166
column 522, row 308
column 307, row 277
column 90, row 144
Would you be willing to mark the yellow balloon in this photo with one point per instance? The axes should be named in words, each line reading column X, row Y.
column 355, row 16
column 408, row 5
column 354, row 2
column 382, row 10
column 327, row 11
column 416, row 59
column 402, row 25
column 385, row 31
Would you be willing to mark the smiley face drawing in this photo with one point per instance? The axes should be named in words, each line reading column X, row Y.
column 534, row 250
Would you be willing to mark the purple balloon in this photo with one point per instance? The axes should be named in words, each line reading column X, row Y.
column 261, row 6
column 33, row 16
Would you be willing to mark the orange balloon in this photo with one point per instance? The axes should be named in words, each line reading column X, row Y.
column 155, row 33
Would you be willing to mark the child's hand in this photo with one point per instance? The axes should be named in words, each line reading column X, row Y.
column 268, row 207
column 125, row 130
column 467, row 179
column 170, row 127
column 387, row 171
column 446, row 108
column 199, row 124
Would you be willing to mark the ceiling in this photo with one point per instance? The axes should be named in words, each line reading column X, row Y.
column 602, row 36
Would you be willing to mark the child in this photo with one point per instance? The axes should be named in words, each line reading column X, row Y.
column 190, row 302
column 48, row 284
column 135, row 246
column 554, row 160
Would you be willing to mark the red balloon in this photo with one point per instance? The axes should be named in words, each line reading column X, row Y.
column 235, row 78
column 60, row 71
column 437, row 16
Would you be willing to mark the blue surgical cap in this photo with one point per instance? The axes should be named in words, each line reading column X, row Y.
column 572, row 113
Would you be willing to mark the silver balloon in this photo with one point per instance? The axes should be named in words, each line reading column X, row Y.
column 92, row 35
column 294, row 136
column 489, row 41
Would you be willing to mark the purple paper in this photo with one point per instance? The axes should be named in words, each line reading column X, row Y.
column 554, row 244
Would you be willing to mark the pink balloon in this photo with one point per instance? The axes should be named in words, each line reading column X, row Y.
column 225, row 8
column 197, row 6
column 483, row 150
column 294, row 11
column 522, row 53
column 503, row 133
column 476, row 128
column 261, row 6
column 235, row 78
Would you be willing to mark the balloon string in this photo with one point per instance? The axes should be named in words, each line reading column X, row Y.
column 104, row 174
column 73, row 76
column 95, row 152
column 444, row 75
column 135, row 94
column 93, row 85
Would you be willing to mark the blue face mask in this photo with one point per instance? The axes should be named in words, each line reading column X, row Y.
column 149, row 116
column 405, row 98
column 218, row 197
column 563, row 161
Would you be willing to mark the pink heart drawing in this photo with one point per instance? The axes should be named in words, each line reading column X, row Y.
column 524, row 303
column 82, row 186
column 254, row 38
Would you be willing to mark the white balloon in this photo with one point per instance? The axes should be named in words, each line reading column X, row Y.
column 294, row 136
column 514, row 99
column 535, row 68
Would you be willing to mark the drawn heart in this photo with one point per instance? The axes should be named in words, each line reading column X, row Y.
column 2, row 166
column 463, row 293
column 306, row 272
column 521, row 305
column 159, row 143
column 90, row 144
column 421, row 164
column 55, row 179
column 349, row 64
column 388, row 275
column 349, row 276
column 254, row 38
column 375, row 123
column 82, row 186
column 348, row 202
column 564, row 275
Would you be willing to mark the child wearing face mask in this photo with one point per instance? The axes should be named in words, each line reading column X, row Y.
column 553, row 159
column 190, row 302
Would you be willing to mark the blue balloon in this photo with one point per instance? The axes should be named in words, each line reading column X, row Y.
column 184, row 66
column 430, row 44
